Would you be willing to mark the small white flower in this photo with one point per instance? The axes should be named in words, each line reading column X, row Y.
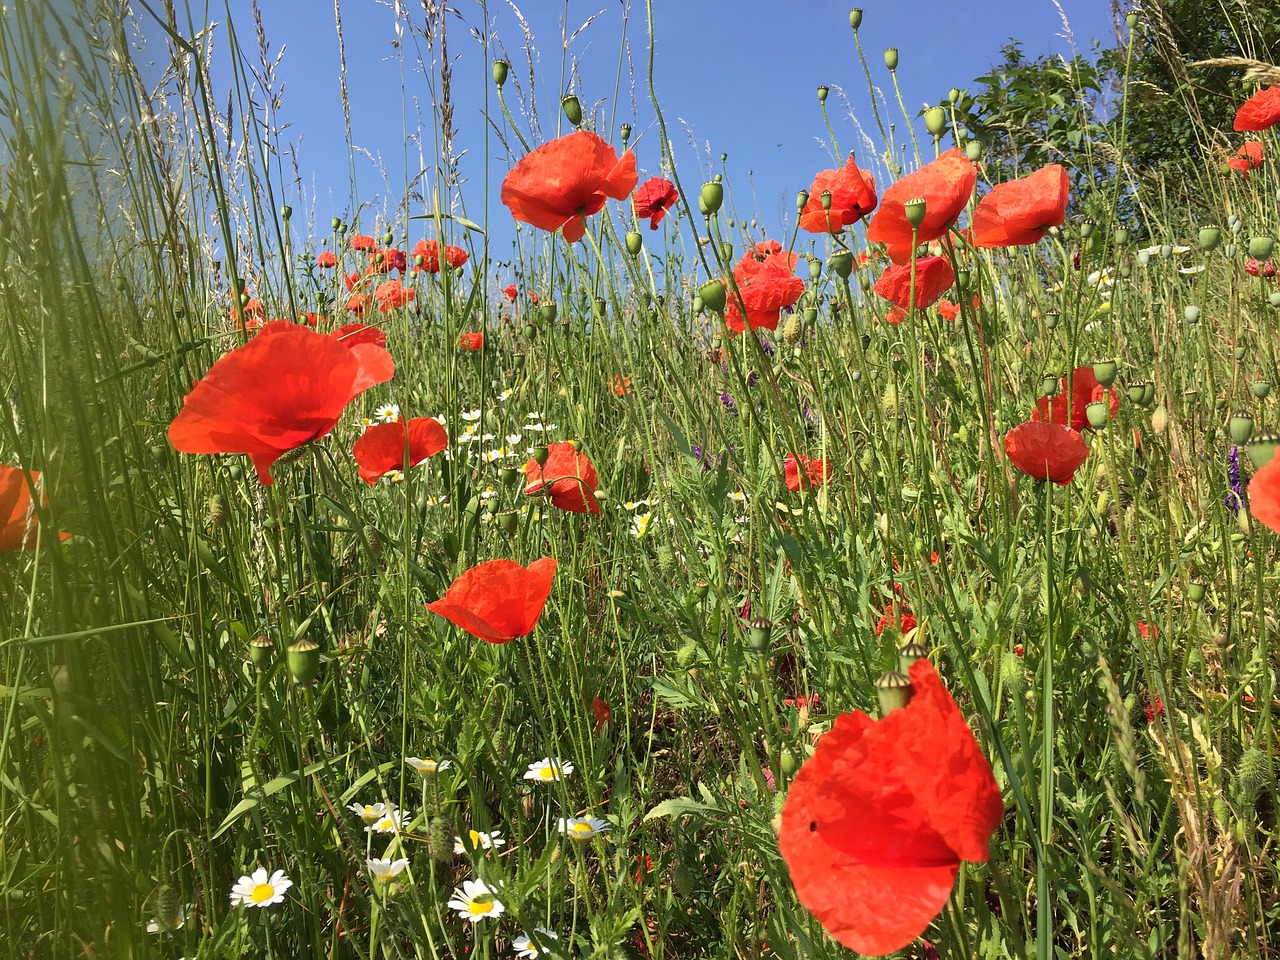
column 1198, row 268
column 634, row 505
column 737, row 496
column 488, row 493
column 548, row 770
column 531, row 947
column 475, row 900
column 259, row 889
column 389, row 822
column 513, row 438
column 479, row 841
column 387, row 413
column 533, row 416
column 470, row 416
column 368, row 812
column 505, row 395
column 491, row 455
column 640, row 524
column 384, row 871
column 583, row 828
column 441, row 419
column 539, row 427
column 164, row 923
column 393, row 476
column 428, row 767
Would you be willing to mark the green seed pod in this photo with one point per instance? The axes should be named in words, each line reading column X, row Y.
column 500, row 68
column 759, row 632
column 893, row 690
column 1240, row 427
column 1098, row 413
column 547, row 312
column 304, row 661
column 1229, row 251
column 1105, row 372
column 713, row 296
column 336, row 224
column 841, row 263
column 1260, row 389
column 262, row 653
column 1050, row 385
column 935, row 121
column 286, row 212
column 726, row 251
column 915, row 211
column 625, row 131
column 1148, row 393
column 712, row 196
column 789, row 763
column 388, row 238
column 1121, row 236
column 822, row 93
column 635, row 243
column 909, row 653
column 953, row 95
column 572, row 108
column 1274, row 299
column 1131, row 20
column 891, row 59
column 855, row 17
column 802, row 200
column 1210, row 238
column 1191, row 313
column 1260, row 247
column 973, row 151
column 1241, row 351
column 509, row 522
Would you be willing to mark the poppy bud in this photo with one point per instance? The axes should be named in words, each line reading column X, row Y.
column 712, row 295
column 891, row 58
column 262, row 653
column 935, row 121
column 953, row 95
column 802, row 199
column 712, row 196
column 388, row 238
column 625, row 131
column 286, row 212
column 219, row 512
column 1210, row 237
column 1240, row 427
column 841, row 263
column 1105, row 372
column 726, row 251
column 810, row 316
column 635, row 243
column 1260, row 388
column 572, row 110
column 547, row 312
column 894, row 691
column 758, row 634
column 1196, row 592
column 500, row 68
column 789, row 763
column 1260, row 247
column 1262, row 448
column 909, row 653
column 1097, row 412
column 822, row 93
column 973, row 151
column 855, row 17
column 1191, row 313
column 1160, row 419
column 793, row 329
column 1229, row 251
column 304, row 661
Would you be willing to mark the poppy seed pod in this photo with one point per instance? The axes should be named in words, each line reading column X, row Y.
column 1148, row 393
column 802, row 200
column 1274, row 299
column 1261, row 389
column 726, row 251
column 712, row 294
column 540, row 455
column 262, row 653
column 841, row 263
column 286, row 212
column 891, row 58
column 915, row 210
column 625, row 131
column 1210, row 237
column 1121, row 236
column 508, row 476
column 500, row 68
column 1136, row 392
column 973, row 151
column 304, row 662
column 855, row 17
column 893, row 690
column 1262, row 448
column 712, row 196
column 1050, row 384
column 1105, row 372
column 935, row 121
column 1191, row 313
column 825, row 199
column 547, row 312
column 822, row 93
column 509, row 522
column 1196, row 592
column 953, row 95
column 635, row 242
column 759, row 632
column 572, row 108
column 1098, row 413
column 1240, row 427
column 909, row 653
column 1260, row 247
column 335, row 223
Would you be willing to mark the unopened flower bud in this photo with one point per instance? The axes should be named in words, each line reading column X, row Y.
column 572, row 108
column 500, row 68
column 635, row 243
column 891, row 58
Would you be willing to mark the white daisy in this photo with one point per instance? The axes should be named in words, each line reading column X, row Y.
column 393, row 476
column 479, row 841
column 634, row 505
column 583, row 828
column 387, row 413
column 389, row 822
column 470, row 416
column 259, row 889
column 737, row 496
column 548, row 770
column 501, row 453
column 384, row 871
column 513, row 438
column 533, row 416
column 368, row 812
column 428, row 767
column 505, row 395
column 475, row 900
column 531, row 947
column 165, row 922
column 640, row 524
column 539, row 427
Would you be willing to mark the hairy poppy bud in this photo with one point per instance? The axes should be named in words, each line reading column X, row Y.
column 1261, row 389
column 625, row 131
column 935, row 121
column 841, row 263
column 894, row 691
column 1240, row 427
column 1105, row 372
column 262, row 653
column 304, row 661
column 500, row 68
column 219, row 511
column 822, row 93
column 635, row 243
column 915, row 210
column 1098, row 413
column 855, row 17
column 1274, row 299
column 793, row 329
column 1210, row 237
column 1260, row 247
column 891, row 58
column 572, row 109
column 712, row 196
column 712, row 294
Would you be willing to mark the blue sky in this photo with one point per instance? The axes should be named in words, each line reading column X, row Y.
column 732, row 76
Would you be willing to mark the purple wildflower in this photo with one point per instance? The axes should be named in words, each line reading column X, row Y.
column 1237, row 479
column 730, row 404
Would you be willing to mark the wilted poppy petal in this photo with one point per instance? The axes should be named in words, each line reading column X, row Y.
column 1021, row 211
column 1259, row 112
column 381, row 448
column 17, row 514
column 499, row 600
column 1264, row 496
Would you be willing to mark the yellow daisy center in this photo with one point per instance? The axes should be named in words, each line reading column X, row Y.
column 262, row 892
column 475, row 838
column 547, row 773
column 480, row 908
column 582, row 827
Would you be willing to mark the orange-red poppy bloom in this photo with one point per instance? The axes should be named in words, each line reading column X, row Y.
column 568, row 479
column 1069, row 405
column 815, row 471
column 599, row 710
column 510, row 292
column 326, row 258
column 653, row 199
column 1248, row 157
column 621, row 385
column 499, row 600
column 1264, row 496
column 878, row 819
column 896, row 615
column 396, row 445
column 934, row 276
column 384, row 261
column 1259, row 112
column 1046, row 451
column 17, row 510
column 472, row 341
column 361, row 241
column 429, row 251
column 285, row 387
column 358, row 303
column 392, row 295
column 945, row 185
column 1020, row 212
column 767, row 282
column 565, row 181
column 853, row 196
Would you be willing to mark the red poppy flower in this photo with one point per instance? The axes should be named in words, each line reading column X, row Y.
column 1248, row 157
column 1259, row 112
column 945, row 185
column 895, row 315
column 653, row 199
column 815, row 471
column 1264, row 496
column 948, row 310
column 568, row 479
column 896, row 616
column 599, row 710
column 878, row 819
column 285, row 387
column 384, row 261
column 510, row 292
column 326, row 258
column 429, row 251
column 392, row 295
column 358, row 303
column 1020, row 212
column 1069, row 404
column 381, row 448
column 933, row 277
column 1265, row 269
column 1046, row 451
column 565, row 181
column 361, row 241
column 17, row 512
column 767, row 282
column 472, row 341
column 533, row 298
column 1155, row 708
column 499, row 600
column 853, row 196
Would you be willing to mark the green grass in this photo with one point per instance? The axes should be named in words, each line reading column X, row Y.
column 145, row 764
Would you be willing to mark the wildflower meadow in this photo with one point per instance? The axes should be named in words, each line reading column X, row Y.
column 617, row 568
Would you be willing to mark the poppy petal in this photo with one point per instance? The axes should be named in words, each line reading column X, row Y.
column 1264, row 496
column 381, row 448
column 499, row 600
